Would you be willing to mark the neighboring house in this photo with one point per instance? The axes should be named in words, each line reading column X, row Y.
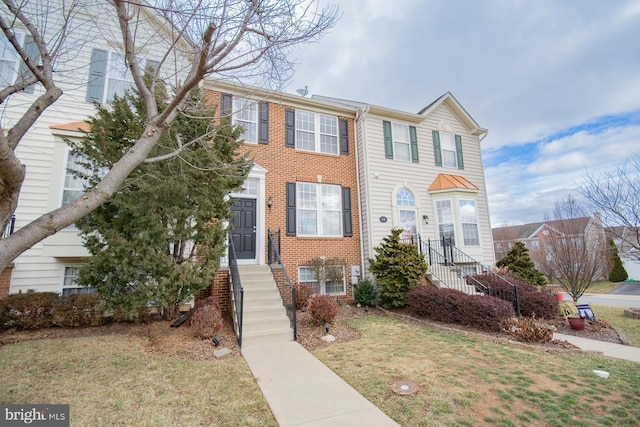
column 91, row 69
column 626, row 240
column 303, row 185
column 423, row 172
column 534, row 235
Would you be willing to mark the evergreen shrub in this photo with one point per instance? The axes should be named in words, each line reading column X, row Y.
column 365, row 293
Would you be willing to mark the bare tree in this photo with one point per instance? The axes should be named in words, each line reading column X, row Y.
column 575, row 251
column 616, row 194
column 246, row 40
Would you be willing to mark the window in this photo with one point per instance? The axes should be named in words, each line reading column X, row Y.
column 9, row 60
column 407, row 212
column 69, row 286
column 11, row 66
column 448, row 149
column 320, row 133
column 110, row 76
column 245, row 114
column 400, row 142
column 316, row 132
column 73, row 186
column 469, row 221
column 444, row 211
column 318, row 210
column 306, row 275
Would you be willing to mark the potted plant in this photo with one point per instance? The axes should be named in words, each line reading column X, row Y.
column 569, row 311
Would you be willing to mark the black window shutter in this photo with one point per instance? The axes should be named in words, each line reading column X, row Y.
column 346, row 212
column 290, row 128
column 227, row 105
column 436, row 148
column 291, row 208
column 97, row 72
column 413, row 136
column 388, row 142
column 263, row 123
column 343, row 125
column 459, row 152
column 34, row 54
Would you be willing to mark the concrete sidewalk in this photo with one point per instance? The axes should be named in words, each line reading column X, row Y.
column 301, row 391
column 618, row 351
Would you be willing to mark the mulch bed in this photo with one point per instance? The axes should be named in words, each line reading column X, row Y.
column 180, row 343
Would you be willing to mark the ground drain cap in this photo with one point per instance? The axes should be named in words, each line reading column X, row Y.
column 404, row 387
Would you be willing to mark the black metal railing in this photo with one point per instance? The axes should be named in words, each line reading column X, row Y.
column 237, row 292
column 8, row 231
column 286, row 288
column 454, row 269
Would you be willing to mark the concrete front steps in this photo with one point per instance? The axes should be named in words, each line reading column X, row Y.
column 264, row 317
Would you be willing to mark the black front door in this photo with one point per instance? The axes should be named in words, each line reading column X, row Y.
column 244, row 228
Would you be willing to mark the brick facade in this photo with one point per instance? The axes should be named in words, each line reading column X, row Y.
column 288, row 165
column 5, row 281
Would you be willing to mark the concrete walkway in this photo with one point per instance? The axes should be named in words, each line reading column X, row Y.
column 618, row 351
column 302, row 391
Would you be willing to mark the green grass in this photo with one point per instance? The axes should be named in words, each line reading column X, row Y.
column 112, row 380
column 469, row 381
column 615, row 316
column 602, row 287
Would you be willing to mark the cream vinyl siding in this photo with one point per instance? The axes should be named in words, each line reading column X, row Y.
column 381, row 176
column 43, row 153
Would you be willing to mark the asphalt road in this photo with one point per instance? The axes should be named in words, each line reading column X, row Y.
column 625, row 295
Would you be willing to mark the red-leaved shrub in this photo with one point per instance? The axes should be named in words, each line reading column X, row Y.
column 323, row 309
column 206, row 319
column 304, row 291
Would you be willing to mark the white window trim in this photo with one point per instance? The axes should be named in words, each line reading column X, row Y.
column 64, row 276
column 475, row 206
column 318, row 210
column 242, row 122
column 395, row 141
column 442, row 150
column 317, row 133
column 322, row 287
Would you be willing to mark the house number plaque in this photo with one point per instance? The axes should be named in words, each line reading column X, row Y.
column 383, row 219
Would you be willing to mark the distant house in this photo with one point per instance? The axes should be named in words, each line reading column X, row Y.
column 627, row 240
column 535, row 236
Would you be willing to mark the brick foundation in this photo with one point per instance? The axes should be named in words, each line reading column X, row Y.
column 5, row 282
column 220, row 289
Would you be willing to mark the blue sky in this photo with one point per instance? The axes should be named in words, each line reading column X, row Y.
column 557, row 83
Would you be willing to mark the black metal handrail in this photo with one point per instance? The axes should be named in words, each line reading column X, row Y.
column 236, row 290
column 282, row 279
column 456, row 270
column 8, row 231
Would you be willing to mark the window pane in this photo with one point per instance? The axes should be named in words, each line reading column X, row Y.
column 445, row 219
column 402, row 151
column 245, row 114
column 448, row 147
column 307, row 196
column 331, row 210
column 449, row 159
column 470, row 233
column 408, row 223
column 73, row 187
column 331, row 224
column 405, row 198
column 307, row 223
column 329, row 144
column 468, row 211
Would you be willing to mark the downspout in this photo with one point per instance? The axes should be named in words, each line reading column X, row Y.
column 360, row 116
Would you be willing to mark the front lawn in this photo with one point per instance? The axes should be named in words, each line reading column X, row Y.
column 615, row 316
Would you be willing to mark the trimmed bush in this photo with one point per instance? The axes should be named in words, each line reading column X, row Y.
column 365, row 293
column 206, row 319
column 304, row 291
column 618, row 273
column 36, row 310
column 532, row 302
column 452, row 306
column 323, row 309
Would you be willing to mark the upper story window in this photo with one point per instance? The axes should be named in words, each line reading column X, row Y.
column 400, row 142
column 252, row 116
column 316, row 132
column 109, row 75
column 448, row 149
column 73, row 186
column 11, row 67
column 245, row 114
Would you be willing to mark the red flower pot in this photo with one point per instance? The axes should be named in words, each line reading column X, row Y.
column 560, row 297
column 576, row 323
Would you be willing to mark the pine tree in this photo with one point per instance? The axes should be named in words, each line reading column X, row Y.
column 161, row 237
column 618, row 273
column 398, row 267
column 518, row 261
